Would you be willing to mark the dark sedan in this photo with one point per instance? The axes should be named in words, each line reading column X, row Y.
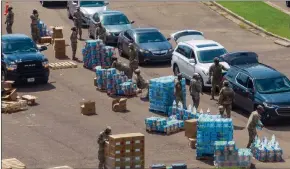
column 240, row 58
column 150, row 45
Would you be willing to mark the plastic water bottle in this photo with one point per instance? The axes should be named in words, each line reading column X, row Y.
column 189, row 108
column 194, row 110
column 201, row 111
column 208, row 111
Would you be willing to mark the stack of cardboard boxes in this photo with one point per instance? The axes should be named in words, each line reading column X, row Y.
column 191, row 131
column 59, row 43
column 88, row 108
column 125, row 151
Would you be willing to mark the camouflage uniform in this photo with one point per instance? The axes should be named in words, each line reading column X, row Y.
column 35, row 33
column 74, row 42
column 251, row 126
column 78, row 20
column 133, row 60
column 215, row 72
column 141, row 83
column 178, row 91
column 101, row 33
column 226, row 98
column 9, row 20
column 195, row 88
column 103, row 137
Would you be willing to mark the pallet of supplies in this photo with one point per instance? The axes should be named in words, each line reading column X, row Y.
column 46, row 39
column 88, row 108
column 12, row 163
column 13, row 106
column 119, row 105
column 125, row 151
column 163, row 125
column 7, row 84
column 57, row 32
column 59, row 48
column 30, row 99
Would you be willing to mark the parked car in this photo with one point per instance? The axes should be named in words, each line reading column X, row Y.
column 196, row 56
column 187, row 35
column 3, row 68
column 240, row 58
column 288, row 4
column 115, row 22
column 88, row 8
column 150, row 44
column 47, row 3
column 23, row 59
column 259, row 84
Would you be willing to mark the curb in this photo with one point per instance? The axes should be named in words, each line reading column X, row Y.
column 278, row 38
column 277, row 7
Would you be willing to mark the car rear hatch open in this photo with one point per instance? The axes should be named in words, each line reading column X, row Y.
column 187, row 35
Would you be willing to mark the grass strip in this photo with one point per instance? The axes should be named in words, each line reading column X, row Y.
column 262, row 14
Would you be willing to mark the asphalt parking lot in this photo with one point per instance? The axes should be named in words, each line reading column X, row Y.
column 54, row 133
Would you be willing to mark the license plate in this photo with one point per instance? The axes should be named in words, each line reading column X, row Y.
column 30, row 80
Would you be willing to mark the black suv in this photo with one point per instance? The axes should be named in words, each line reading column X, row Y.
column 23, row 59
column 259, row 84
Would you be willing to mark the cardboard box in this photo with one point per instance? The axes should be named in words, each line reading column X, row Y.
column 88, row 108
column 59, row 44
column 192, row 143
column 60, row 54
column 46, row 39
column 190, row 128
column 7, row 84
column 119, row 105
column 13, row 163
column 57, row 32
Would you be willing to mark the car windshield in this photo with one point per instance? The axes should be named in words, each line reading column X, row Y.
column 18, row 46
column 207, row 56
column 115, row 20
column 92, row 3
column 273, row 85
column 149, row 37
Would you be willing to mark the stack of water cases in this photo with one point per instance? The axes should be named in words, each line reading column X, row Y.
column 227, row 155
column 267, row 150
column 129, row 88
column 211, row 128
column 119, row 79
column 161, row 93
column 95, row 53
column 43, row 30
column 183, row 114
column 101, row 75
column 163, row 125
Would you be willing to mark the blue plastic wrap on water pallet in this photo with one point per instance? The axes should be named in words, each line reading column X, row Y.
column 211, row 128
column 181, row 113
column 161, row 93
column 95, row 53
column 43, row 30
column 163, row 125
column 129, row 88
column 267, row 150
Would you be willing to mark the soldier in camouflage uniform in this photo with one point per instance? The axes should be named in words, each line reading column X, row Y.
column 221, row 110
column 74, row 42
column 115, row 64
column 103, row 137
column 195, row 89
column 178, row 90
column 133, row 59
column 78, row 20
column 9, row 20
column 226, row 98
column 253, row 122
column 101, row 32
column 215, row 76
column 141, row 83
column 35, row 33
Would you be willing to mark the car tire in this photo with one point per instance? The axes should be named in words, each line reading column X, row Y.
column 176, row 70
column 68, row 14
column 288, row 4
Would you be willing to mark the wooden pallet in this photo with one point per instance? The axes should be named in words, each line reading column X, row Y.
column 205, row 157
column 63, row 65
column 162, row 132
column 101, row 90
column 12, row 163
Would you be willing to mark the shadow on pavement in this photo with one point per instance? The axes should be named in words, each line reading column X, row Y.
column 56, row 5
column 30, row 88
column 281, row 125
column 238, row 127
column 156, row 65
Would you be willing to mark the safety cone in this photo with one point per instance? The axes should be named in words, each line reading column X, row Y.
column 6, row 8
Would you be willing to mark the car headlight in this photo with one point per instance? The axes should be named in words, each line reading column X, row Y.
column 205, row 72
column 268, row 105
column 45, row 64
column 170, row 50
column 144, row 51
column 12, row 66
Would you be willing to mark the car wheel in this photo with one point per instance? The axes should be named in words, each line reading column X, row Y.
column 68, row 14
column 176, row 70
column 3, row 76
column 120, row 50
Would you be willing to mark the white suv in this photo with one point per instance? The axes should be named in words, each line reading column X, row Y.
column 194, row 54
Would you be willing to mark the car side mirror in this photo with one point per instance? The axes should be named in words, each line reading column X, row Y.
column 107, row 3
column 132, row 22
column 191, row 60
column 42, row 48
column 168, row 39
